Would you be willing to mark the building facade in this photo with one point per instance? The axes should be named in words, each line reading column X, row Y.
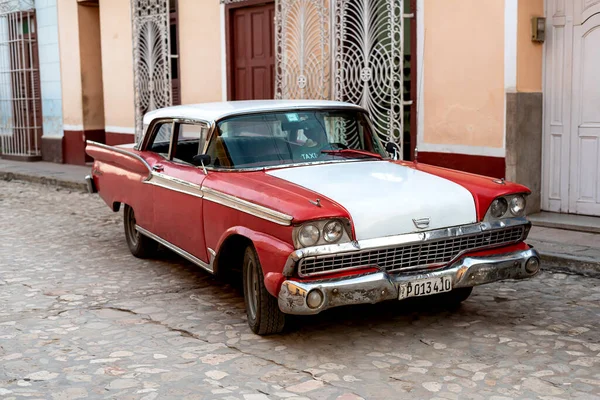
column 466, row 84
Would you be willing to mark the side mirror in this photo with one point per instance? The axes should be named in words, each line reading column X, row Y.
column 393, row 149
column 201, row 160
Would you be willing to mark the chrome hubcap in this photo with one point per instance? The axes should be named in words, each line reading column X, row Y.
column 251, row 288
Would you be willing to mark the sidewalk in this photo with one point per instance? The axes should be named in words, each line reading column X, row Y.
column 62, row 175
column 561, row 250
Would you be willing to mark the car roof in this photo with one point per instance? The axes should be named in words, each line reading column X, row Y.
column 211, row 112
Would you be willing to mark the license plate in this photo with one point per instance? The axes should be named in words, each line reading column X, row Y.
column 425, row 287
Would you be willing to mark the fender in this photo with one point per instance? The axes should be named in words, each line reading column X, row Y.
column 115, row 168
column 272, row 254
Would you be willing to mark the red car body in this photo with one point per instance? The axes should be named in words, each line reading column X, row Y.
column 209, row 215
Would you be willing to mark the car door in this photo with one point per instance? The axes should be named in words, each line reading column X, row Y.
column 177, row 185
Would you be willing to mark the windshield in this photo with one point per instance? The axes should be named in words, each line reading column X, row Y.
column 279, row 138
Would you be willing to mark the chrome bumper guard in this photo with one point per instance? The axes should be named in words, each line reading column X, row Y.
column 91, row 187
column 379, row 286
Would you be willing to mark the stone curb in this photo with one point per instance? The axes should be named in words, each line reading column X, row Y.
column 570, row 264
column 44, row 180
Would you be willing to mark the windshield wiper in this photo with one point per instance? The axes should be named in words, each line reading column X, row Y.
column 352, row 151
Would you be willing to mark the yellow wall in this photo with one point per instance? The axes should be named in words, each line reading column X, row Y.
column 463, row 71
column 529, row 54
column 200, row 50
column 117, row 63
column 91, row 68
column 70, row 67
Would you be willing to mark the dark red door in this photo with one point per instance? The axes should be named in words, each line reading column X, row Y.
column 252, row 48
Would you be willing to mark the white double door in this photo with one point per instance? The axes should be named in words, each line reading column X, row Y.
column 571, row 156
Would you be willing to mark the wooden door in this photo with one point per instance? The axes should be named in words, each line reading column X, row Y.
column 252, row 48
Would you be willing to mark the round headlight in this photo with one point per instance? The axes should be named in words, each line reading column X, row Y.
column 308, row 235
column 332, row 232
column 498, row 207
column 517, row 206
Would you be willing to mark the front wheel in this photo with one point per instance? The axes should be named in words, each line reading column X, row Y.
column 264, row 316
column 140, row 246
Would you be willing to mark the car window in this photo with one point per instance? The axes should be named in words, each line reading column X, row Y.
column 162, row 138
column 278, row 138
column 190, row 142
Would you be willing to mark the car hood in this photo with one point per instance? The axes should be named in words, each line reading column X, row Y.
column 384, row 198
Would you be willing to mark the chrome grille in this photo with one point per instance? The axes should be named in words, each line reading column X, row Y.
column 411, row 256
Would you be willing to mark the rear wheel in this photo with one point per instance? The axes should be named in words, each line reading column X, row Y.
column 140, row 246
column 264, row 316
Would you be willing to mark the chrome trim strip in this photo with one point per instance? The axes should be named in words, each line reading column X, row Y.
column 120, row 151
column 246, row 206
column 281, row 166
column 397, row 240
column 175, row 249
column 380, row 286
column 175, row 184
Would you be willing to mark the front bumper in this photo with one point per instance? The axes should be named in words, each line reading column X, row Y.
column 379, row 286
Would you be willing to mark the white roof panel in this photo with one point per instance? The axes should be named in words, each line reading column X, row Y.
column 214, row 111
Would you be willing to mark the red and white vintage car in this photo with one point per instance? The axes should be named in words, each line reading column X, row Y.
column 305, row 199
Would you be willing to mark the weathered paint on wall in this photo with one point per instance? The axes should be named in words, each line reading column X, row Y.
column 529, row 54
column 91, row 68
column 463, row 71
column 70, row 65
column 200, row 50
column 49, row 61
column 117, row 65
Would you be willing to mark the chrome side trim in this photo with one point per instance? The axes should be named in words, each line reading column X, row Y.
column 389, row 241
column 246, row 206
column 120, row 151
column 380, row 286
column 177, row 185
column 211, row 258
column 175, row 249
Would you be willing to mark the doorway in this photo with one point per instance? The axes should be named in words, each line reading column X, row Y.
column 571, row 156
column 250, row 50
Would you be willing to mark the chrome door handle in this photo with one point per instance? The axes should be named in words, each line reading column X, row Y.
column 158, row 168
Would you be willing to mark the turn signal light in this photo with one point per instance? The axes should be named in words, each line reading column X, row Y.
column 314, row 298
column 532, row 265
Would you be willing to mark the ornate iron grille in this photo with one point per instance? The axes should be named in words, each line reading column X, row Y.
column 302, row 50
column 348, row 50
column 152, row 62
column 411, row 256
column 368, row 61
column 20, row 99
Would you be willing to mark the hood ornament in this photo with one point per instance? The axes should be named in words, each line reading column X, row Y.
column 421, row 223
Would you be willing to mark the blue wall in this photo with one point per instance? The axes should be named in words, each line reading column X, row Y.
column 47, row 29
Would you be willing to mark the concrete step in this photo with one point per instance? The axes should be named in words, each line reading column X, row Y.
column 572, row 222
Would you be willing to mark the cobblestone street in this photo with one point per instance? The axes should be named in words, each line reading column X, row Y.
column 80, row 317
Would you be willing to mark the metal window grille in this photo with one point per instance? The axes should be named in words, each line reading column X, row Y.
column 151, row 55
column 349, row 50
column 20, row 97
